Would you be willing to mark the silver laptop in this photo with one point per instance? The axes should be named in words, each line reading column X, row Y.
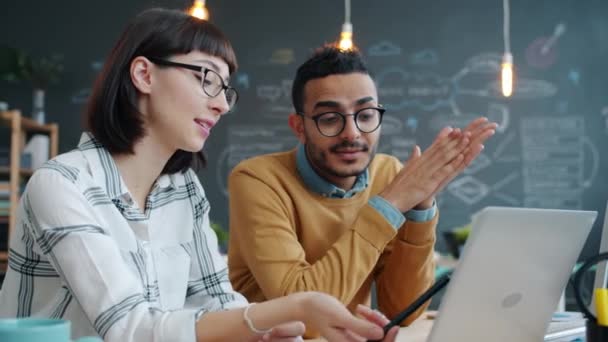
column 512, row 271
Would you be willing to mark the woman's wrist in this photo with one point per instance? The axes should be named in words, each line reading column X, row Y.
column 249, row 322
column 303, row 305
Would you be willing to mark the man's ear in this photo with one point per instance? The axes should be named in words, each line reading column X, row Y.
column 296, row 123
column 141, row 74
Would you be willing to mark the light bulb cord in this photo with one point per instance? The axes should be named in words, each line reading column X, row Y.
column 505, row 26
column 347, row 11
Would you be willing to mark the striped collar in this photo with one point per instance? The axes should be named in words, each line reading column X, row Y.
column 319, row 185
column 104, row 169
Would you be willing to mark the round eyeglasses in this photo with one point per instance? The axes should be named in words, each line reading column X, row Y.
column 211, row 81
column 331, row 124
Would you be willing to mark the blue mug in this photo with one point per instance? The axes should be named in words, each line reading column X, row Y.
column 38, row 330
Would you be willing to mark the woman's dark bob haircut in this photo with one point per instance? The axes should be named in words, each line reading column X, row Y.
column 112, row 115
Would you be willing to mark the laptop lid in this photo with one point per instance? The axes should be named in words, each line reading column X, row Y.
column 509, row 279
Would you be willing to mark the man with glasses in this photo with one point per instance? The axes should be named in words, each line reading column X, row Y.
column 332, row 215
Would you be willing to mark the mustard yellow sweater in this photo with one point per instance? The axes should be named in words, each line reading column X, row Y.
column 285, row 238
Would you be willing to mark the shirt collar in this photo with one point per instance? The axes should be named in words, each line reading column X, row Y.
column 319, row 185
column 104, row 169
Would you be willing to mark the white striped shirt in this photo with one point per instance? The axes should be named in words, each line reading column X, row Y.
column 82, row 250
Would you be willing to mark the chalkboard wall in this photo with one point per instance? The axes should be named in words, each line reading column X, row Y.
column 435, row 63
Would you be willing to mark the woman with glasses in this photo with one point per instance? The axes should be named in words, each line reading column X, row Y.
column 114, row 235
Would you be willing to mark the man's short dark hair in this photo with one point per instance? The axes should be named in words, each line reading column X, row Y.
column 112, row 115
column 326, row 60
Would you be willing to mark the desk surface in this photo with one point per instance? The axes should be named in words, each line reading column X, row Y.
column 419, row 330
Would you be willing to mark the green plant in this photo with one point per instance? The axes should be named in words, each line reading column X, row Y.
column 456, row 238
column 18, row 65
column 462, row 233
column 222, row 236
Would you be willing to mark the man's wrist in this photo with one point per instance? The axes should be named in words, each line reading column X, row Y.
column 426, row 204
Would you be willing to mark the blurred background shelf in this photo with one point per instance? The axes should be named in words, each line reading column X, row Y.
column 20, row 129
column 5, row 170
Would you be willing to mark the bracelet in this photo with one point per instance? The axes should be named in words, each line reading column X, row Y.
column 250, row 323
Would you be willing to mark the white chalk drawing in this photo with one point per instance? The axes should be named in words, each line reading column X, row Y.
column 391, row 125
column 425, row 57
column 484, row 63
column 384, row 48
column 548, row 161
column 271, row 93
column 542, row 52
column 401, row 89
column 505, row 181
column 275, row 92
column 468, row 189
column 439, row 121
column 595, row 162
column 487, row 66
column 553, row 154
column 560, row 29
column 399, row 147
column 501, row 146
column 454, row 101
column 526, row 89
column 557, row 200
column 605, row 115
column 276, row 99
column 481, row 162
column 499, row 113
column 508, row 199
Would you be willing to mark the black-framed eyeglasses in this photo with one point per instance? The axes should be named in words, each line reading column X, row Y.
column 331, row 124
column 211, row 81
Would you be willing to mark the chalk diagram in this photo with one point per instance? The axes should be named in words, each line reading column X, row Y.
column 605, row 115
column 555, row 153
column 542, row 52
column 442, row 101
column 384, row 48
column 420, row 100
column 275, row 99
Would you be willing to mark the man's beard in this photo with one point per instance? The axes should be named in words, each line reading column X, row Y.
column 319, row 160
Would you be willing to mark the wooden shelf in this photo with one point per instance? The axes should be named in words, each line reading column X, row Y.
column 28, row 124
column 5, row 170
column 21, row 127
column 3, row 262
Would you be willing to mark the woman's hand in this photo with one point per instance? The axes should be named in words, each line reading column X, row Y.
column 286, row 332
column 334, row 322
column 378, row 318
